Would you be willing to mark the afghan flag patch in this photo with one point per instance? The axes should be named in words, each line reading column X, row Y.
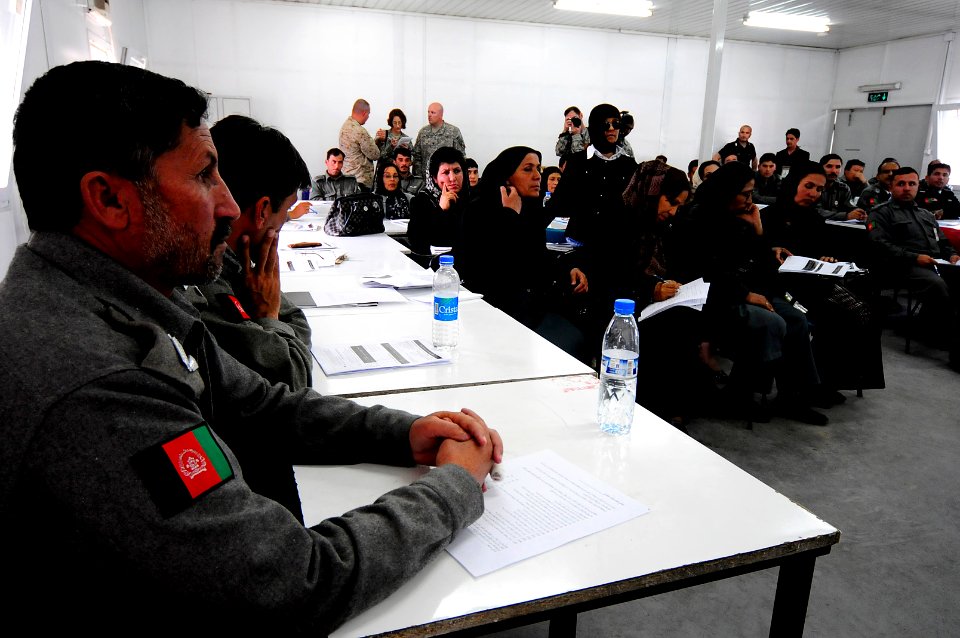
column 181, row 470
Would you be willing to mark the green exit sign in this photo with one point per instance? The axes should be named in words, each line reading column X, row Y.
column 877, row 96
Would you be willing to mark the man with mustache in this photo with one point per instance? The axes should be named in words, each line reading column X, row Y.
column 120, row 484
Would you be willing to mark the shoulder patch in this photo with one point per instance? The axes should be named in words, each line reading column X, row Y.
column 233, row 307
column 181, row 470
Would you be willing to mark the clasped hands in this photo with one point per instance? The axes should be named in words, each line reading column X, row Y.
column 461, row 438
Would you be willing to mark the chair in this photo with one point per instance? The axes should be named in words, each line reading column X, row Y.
column 913, row 307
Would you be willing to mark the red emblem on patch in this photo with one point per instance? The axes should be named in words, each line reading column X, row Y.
column 236, row 302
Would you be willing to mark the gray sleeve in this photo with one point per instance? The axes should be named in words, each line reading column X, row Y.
column 826, row 213
column 230, row 544
column 878, row 227
column 277, row 349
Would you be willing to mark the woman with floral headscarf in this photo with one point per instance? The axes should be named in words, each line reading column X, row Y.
column 669, row 342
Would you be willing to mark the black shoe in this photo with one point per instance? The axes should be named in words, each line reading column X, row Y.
column 826, row 398
column 797, row 411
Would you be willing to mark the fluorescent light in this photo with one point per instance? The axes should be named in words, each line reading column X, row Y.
column 633, row 8
column 793, row 22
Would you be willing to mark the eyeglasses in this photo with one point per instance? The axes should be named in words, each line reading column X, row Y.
column 611, row 124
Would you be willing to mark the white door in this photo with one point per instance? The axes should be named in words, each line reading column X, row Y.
column 874, row 134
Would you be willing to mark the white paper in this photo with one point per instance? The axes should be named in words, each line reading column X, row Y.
column 811, row 266
column 300, row 262
column 345, row 357
column 426, row 296
column 693, row 294
column 401, row 281
column 542, row 502
column 356, row 296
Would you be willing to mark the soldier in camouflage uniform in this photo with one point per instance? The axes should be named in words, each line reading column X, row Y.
column 436, row 134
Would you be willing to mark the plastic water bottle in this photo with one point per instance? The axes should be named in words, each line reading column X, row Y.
column 618, row 370
column 446, row 305
column 546, row 198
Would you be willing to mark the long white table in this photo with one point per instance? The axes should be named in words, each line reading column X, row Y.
column 709, row 520
column 494, row 348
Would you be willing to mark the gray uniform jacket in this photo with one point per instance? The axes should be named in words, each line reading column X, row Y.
column 99, row 370
column 329, row 188
column 278, row 349
column 569, row 143
column 835, row 201
column 901, row 232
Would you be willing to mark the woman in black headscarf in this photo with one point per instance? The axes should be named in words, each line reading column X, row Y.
column 846, row 337
column 436, row 212
column 503, row 253
column 396, row 203
column 746, row 306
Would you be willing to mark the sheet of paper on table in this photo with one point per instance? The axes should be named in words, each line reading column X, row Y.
column 542, row 502
column 693, row 294
column 401, row 281
column 295, row 261
column 355, row 296
column 342, row 358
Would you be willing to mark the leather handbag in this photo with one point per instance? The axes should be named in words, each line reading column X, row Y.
column 353, row 215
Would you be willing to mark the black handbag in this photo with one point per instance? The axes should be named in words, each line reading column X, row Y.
column 353, row 215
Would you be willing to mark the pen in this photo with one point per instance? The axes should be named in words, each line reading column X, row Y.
column 936, row 270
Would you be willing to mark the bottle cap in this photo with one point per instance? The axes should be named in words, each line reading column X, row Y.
column 624, row 306
column 447, row 260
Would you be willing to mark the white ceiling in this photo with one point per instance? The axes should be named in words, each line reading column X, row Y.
column 853, row 22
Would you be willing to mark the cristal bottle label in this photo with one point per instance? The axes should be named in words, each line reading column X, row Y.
column 445, row 308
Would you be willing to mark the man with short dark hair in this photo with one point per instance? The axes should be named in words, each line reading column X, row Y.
column 409, row 183
column 908, row 243
column 358, row 147
column 935, row 195
column 692, row 167
column 835, row 201
column 741, row 148
column 333, row 183
column 853, row 177
column 792, row 155
column 879, row 191
column 766, row 184
column 120, row 487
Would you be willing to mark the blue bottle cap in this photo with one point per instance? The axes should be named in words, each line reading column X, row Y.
column 624, row 306
column 446, row 260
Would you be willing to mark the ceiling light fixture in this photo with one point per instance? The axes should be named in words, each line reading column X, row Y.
column 635, row 9
column 793, row 22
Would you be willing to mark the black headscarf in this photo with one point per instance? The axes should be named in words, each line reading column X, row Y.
column 724, row 184
column 651, row 180
column 501, row 168
column 597, row 126
column 396, row 205
column 790, row 183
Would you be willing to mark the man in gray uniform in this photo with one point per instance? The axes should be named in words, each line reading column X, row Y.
column 120, row 491
column 908, row 241
column 333, row 183
column 835, row 201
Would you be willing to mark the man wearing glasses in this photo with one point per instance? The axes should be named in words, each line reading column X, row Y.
column 879, row 192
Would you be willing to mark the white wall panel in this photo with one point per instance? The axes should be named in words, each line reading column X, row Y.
column 917, row 63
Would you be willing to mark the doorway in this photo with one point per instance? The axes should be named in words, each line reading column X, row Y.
column 876, row 133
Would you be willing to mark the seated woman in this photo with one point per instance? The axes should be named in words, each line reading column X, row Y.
column 671, row 377
column 503, row 253
column 746, row 307
column 473, row 171
column 396, row 203
column 436, row 212
column 846, row 338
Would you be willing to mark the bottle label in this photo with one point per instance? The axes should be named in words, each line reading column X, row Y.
column 445, row 308
column 619, row 367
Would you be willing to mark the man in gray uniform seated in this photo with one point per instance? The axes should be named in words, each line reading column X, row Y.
column 333, row 183
column 122, row 500
column 908, row 242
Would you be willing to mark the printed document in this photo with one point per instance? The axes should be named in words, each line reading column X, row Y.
column 542, row 502
column 693, row 294
column 811, row 266
column 346, row 357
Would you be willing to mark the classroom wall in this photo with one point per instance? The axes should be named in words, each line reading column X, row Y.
column 502, row 84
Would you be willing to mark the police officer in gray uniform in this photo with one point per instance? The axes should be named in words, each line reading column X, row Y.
column 124, row 507
column 908, row 241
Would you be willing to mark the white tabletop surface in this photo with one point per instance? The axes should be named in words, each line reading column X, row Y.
column 493, row 348
column 703, row 508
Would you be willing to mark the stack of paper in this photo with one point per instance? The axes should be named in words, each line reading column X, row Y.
column 693, row 294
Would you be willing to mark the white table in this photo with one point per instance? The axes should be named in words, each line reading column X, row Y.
column 709, row 520
column 494, row 348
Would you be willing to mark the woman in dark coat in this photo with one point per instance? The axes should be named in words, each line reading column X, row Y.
column 846, row 337
column 746, row 307
column 436, row 212
column 503, row 253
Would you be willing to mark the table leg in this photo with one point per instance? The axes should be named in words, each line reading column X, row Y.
column 793, row 593
column 563, row 625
